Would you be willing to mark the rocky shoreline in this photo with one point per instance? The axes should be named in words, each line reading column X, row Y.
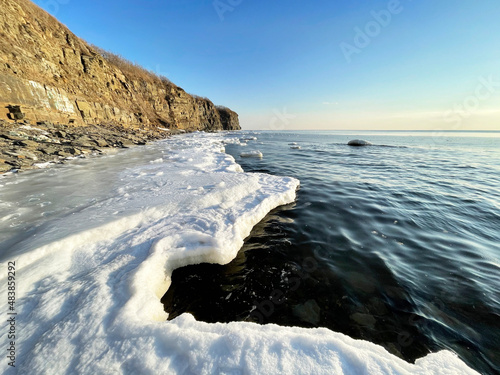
column 24, row 146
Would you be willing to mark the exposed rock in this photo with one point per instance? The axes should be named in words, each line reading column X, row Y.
column 366, row 320
column 22, row 146
column 228, row 118
column 252, row 154
column 308, row 312
column 48, row 75
column 4, row 167
column 358, row 142
column 101, row 142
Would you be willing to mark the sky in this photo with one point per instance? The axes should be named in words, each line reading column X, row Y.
column 317, row 64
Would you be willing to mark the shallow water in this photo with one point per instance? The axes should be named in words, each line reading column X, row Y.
column 397, row 243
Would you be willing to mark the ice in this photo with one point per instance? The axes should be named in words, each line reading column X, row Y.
column 89, row 283
column 252, row 154
column 248, row 138
column 43, row 165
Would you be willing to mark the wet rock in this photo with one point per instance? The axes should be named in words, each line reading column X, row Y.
column 366, row 320
column 393, row 349
column 308, row 312
column 377, row 306
column 358, row 143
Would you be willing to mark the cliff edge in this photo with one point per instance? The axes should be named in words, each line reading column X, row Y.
column 49, row 74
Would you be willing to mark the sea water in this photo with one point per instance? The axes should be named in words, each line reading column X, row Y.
column 94, row 243
column 397, row 243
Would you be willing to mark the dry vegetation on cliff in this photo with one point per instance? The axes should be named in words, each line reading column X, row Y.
column 72, row 98
column 133, row 70
column 55, row 76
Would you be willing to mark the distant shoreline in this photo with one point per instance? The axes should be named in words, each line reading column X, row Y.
column 376, row 131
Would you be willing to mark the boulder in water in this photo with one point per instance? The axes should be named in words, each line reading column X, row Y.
column 358, row 142
column 309, row 312
column 252, row 154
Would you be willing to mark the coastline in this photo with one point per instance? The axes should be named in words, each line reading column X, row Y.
column 24, row 146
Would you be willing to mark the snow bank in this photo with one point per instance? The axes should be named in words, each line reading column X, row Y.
column 89, row 287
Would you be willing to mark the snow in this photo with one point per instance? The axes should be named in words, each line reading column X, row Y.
column 89, row 284
column 248, row 138
column 252, row 154
column 46, row 164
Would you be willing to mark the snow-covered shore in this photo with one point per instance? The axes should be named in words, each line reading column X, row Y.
column 89, row 286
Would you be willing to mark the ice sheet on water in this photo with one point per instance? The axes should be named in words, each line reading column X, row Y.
column 89, row 300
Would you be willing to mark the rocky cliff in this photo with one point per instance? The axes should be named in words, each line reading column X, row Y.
column 49, row 74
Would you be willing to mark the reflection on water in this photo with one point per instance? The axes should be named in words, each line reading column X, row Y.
column 395, row 245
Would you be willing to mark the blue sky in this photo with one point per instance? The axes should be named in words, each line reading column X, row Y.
column 297, row 64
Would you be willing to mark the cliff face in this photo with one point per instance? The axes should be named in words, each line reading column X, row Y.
column 49, row 74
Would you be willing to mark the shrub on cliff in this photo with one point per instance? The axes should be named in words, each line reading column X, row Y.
column 130, row 68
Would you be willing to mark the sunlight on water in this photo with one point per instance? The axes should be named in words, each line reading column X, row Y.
column 397, row 243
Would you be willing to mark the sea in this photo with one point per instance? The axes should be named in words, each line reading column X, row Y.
column 397, row 243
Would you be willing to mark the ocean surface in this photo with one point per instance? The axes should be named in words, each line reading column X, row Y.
column 397, row 243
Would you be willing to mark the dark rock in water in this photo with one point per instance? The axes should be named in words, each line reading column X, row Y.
column 309, row 312
column 364, row 319
column 358, row 142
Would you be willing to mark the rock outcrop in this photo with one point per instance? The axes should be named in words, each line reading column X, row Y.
column 49, row 74
column 359, row 143
column 23, row 146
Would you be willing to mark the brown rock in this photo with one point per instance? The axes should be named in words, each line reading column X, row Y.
column 101, row 142
column 48, row 149
column 26, row 143
column 49, row 75
column 5, row 167
column 60, row 134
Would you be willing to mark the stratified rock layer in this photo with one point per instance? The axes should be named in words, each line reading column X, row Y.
column 49, row 74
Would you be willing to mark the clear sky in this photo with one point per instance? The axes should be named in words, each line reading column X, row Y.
column 317, row 64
